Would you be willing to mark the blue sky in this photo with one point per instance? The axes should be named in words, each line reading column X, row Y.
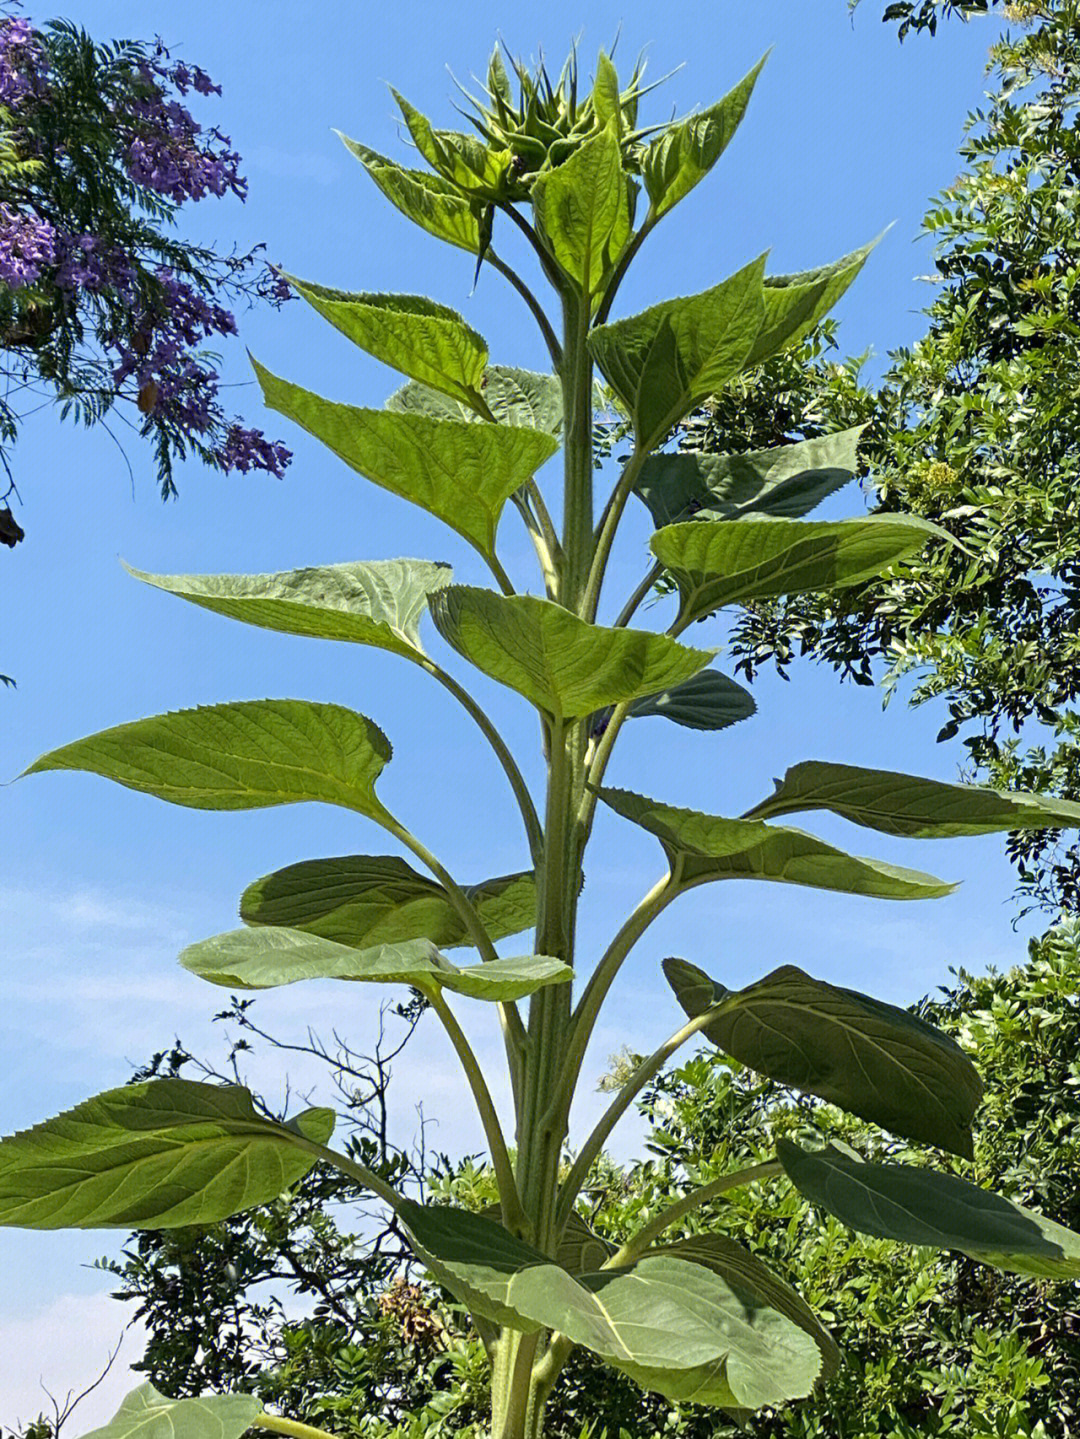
column 846, row 133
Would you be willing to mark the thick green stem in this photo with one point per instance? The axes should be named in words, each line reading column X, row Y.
column 515, row 1414
column 576, row 378
column 636, row 1247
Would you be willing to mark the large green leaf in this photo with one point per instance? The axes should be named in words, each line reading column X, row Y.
column 157, row 1155
column 673, row 1326
column 745, row 1271
column 561, row 663
column 371, row 602
column 365, row 900
column 427, row 341
column 582, row 207
column 463, row 473
column 795, row 303
column 240, row 756
column 926, row 1207
column 705, row 848
column 708, row 701
column 786, row 482
column 665, row 360
column 428, row 200
column 464, row 160
column 685, row 151
column 265, row 958
column 716, row 563
column 146, row 1414
column 905, row 804
column 514, row 397
column 870, row 1058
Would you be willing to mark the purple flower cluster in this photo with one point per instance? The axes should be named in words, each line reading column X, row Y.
column 20, row 59
column 168, row 150
column 27, row 244
column 246, row 449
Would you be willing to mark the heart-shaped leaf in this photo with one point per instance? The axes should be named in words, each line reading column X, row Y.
column 146, row 1414
column 240, row 756
column 462, row 473
column 715, row 563
column 905, row 804
column 705, row 847
column 673, row 1326
column 427, row 200
column 582, row 208
column 745, row 1271
column 708, row 701
column 374, row 602
column 157, row 1155
column 365, row 900
column 786, row 482
column 566, row 666
column 427, row 341
column 795, row 303
column 665, row 360
column 926, row 1207
column 685, row 152
column 266, row 958
column 870, row 1058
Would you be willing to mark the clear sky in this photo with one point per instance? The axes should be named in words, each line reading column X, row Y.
column 847, row 132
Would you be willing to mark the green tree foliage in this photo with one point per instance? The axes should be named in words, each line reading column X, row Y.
column 975, row 428
column 696, row 1318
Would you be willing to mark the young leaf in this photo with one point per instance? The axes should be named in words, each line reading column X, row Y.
column 374, row 602
column 675, row 1327
column 706, row 701
column 665, row 360
column 267, row 958
column 157, row 1155
column 365, row 900
column 744, row 1271
column 583, row 209
column 465, row 161
column 870, row 1058
column 564, row 665
column 926, row 1207
column 706, row 848
column 461, row 473
column 786, row 482
column 427, row 200
column 240, row 756
column 146, row 1414
column 907, row 805
column 715, row 563
column 685, row 151
column 427, row 341
column 514, row 397
column 795, row 303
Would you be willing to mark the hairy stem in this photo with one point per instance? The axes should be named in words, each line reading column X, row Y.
column 635, row 1247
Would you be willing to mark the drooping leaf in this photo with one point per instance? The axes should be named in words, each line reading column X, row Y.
column 427, row 341
column 156, row 1155
column 870, row 1058
column 146, row 1414
column 464, row 160
column 716, row 563
column 514, row 397
column 707, row 848
column 673, row 1326
column 707, row 701
column 582, row 207
column 927, row 1207
column 685, row 151
column 372, row 602
column 366, row 900
column 266, row 958
column 462, row 473
column 786, row 482
column 428, row 200
column 905, row 804
column 240, row 756
column 665, row 360
column 795, row 303
column 561, row 663
column 745, row 1271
